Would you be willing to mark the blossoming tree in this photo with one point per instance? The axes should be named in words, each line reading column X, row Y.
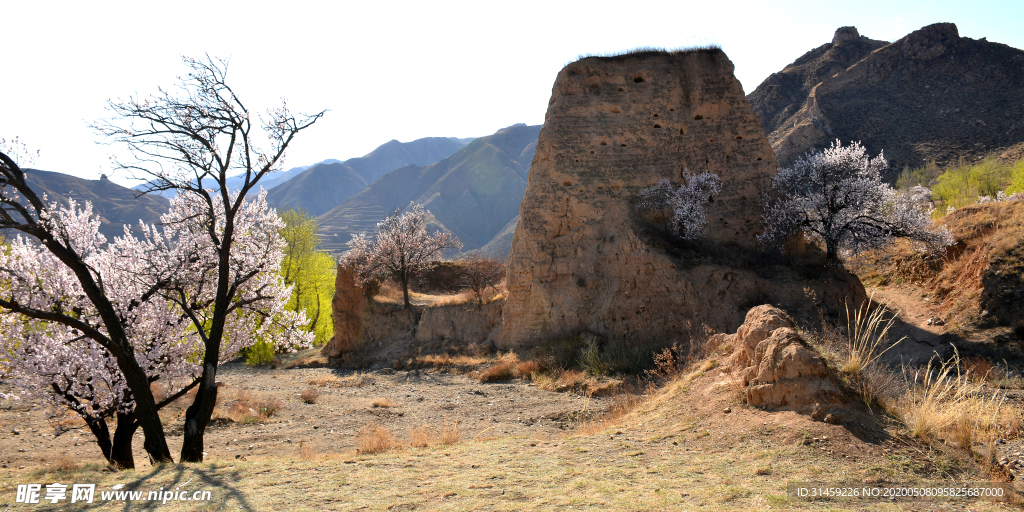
column 189, row 141
column 685, row 205
column 64, row 366
column 401, row 246
column 837, row 196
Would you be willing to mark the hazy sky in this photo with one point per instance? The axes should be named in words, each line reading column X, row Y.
column 398, row 70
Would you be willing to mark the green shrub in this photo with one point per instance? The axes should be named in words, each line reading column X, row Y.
column 961, row 185
column 1016, row 178
column 259, row 353
column 918, row 176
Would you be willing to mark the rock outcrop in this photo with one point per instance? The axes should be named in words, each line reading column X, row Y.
column 931, row 95
column 580, row 261
column 776, row 369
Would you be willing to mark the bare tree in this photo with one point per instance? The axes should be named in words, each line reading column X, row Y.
column 401, row 247
column 479, row 273
column 192, row 140
column 837, row 196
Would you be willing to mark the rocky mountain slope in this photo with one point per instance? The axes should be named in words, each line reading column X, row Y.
column 324, row 186
column 473, row 193
column 115, row 205
column 931, row 95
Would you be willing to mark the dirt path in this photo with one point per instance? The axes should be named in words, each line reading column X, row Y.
column 916, row 321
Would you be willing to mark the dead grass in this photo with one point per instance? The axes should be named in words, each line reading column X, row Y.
column 375, row 439
column 325, row 381
column 425, row 436
column 383, row 402
column 449, row 363
column 249, row 408
column 64, row 463
column 309, row 395
column 307, row 452
column 505, row 368
column 391, row 293
column 356, row 380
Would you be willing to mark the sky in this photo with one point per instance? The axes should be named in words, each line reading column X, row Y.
column 395, row 70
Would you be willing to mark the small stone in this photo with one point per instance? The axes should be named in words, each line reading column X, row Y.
column 250, row 447
column 831, row 419
column 727, row 410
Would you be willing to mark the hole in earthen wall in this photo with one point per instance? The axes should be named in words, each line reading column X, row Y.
column 622, row 88
column 603, row 143
column 655, row 115
column 681, row 131
column 739, row 137
column 638, row 79
column 567, row 183
column 698, row 117
column 758, row 158
column 623, row 144
column 657, row 126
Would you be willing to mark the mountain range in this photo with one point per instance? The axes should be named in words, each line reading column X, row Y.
column 115, row 205
column 325, row 186
column 931, row 95
column 474, row 193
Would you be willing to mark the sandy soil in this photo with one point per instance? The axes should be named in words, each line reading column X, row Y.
column 419, row 398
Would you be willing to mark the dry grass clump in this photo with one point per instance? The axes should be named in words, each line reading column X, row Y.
column 357, row 380
column 383, row 402
column 325, row 381
column 309, row 395
column 946, row 403
column 450, row 363
column 307, row 452
column 64, row 463
column 867, row 331
column 425, row 436
column 248, row 408
column 375, row 439
column 506, row 367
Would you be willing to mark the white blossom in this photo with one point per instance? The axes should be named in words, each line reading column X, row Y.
column 837, row 196
column 401, row 247
column 162, row 287
column 688, row 203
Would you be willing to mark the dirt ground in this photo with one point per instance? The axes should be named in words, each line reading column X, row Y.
column 345, row 405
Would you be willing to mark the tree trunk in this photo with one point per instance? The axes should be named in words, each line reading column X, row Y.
column 405, row 289
column 121, row 451
column 831, row 255
column 198, row 415
column 99, row 429
column 146, row 413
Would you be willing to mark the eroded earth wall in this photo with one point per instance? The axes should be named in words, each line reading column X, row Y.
column 614, row 126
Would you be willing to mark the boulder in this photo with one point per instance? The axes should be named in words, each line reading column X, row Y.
column 776, row 369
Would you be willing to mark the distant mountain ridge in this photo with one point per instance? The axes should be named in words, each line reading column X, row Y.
column 324, row 186
column 115, row 205
column 475, row 193
column 931, row 95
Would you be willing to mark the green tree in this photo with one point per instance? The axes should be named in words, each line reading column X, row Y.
column 311, row 272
